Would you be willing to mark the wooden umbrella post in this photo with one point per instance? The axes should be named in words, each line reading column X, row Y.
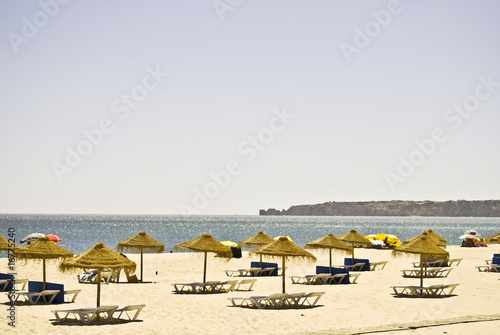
column 98, row 287
column 141, row 262
column 205, row 268
column 352, row 253
column 44, row 275
column 422, row 270
column 330, row 260
column 283, row 273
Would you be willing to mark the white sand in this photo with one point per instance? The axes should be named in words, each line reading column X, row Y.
column 345, row 309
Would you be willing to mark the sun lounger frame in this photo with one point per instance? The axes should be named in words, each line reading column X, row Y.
column 87, row 315
column 489, row 268
column 34, row 297
column 432, row 291
column 428, row 273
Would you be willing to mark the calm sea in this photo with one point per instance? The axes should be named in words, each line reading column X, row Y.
column 80, row 232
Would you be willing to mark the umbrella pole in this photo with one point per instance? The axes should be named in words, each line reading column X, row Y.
column 44, row 276
column 205, row 268
column 283, row 273
column 422, row 270
column 98, row 287
column 352, row 253
column 141, row 265
column 330, row 260
column 261, row 261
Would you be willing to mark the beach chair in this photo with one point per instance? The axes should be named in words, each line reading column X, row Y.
column 70, row 295
column 244, row 285
column 374, row 266
column 266, row 268
column 358, row 264
column 428, row 273
column 354, row 277
column 432, row 291
column 86, row 315
column 489, row 268
column 443, row 263
column 258, row 301
column 4, row 285
column 252, row 272
column 127, row 309
column 6, row 282
column 225, row 286
column 276, row 300
column 293, row 300
column 33, row 298
column 311, row 299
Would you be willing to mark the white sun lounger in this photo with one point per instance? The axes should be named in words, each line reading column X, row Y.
column 244, row 285
column 319, row 279
column 377, row 265
column 489, row 268
column 432, row 291
column 428, row 273
column 46, row 296
column 87, row 315
column 278, row 300
column 127, row 309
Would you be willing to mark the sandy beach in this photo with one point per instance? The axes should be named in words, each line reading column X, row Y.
column 365, row 307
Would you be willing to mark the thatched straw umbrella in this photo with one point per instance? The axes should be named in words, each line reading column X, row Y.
column 43, row 248
column 99, row 257
column 142, row 242
column 354, row 238
column 493, row 239
column 5, row 245
column 286, row 250
column 205, row 243
column 329, row 242
column 257, row 240
column 441, row 242
column 423, row 246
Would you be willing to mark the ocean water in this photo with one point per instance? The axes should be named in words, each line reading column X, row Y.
column 81, row 232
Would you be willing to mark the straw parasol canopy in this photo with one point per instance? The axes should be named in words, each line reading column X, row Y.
column 329, row 242
column 493, row 239
column 5, row 245
column 286, row 250
column 205, row 243
column 99, row 257
column 43, row 249
column 354, row 238
column 424, row 246
column 142, row 242
column 440, row 241
column 257, row 240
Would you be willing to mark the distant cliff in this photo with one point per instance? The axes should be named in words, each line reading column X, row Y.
column 477, row 208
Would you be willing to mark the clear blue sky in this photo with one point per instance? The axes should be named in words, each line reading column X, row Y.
column 227, row 107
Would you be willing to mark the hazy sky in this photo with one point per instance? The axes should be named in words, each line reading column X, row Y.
column 230, row 106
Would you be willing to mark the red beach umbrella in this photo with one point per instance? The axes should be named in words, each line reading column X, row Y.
column 54, row 238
